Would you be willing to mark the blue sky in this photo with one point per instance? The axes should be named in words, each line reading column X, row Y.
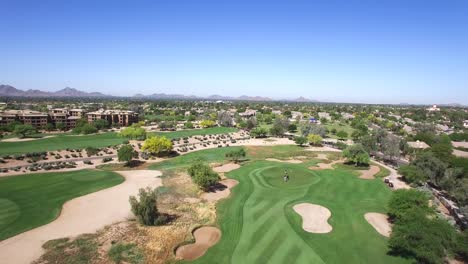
column 349, row 51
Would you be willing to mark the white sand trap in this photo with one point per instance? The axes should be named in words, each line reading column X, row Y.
column 24, row 139
column 221, row 193
column 293, row 161
column 226, row 167
column 379, row 222
column 314, row 217
column 205, row 237
column 370, row 173
column 85, row 214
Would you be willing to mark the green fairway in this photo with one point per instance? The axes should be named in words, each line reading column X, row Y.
column 195, row 132
column 32, row 200
column 63, row 141
column 60, row 142
column 259, row 225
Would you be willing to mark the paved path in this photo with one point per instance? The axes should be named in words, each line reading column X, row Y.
column 394, row 177
column 85, row 214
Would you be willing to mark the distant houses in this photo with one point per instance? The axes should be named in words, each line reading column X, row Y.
column 433, row 108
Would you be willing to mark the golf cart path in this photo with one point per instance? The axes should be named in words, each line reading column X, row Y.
column 85, row 214
column 394, row 177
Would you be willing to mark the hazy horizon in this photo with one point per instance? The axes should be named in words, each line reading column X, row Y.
column 333, row 51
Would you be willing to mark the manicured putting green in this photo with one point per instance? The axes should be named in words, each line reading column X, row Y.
column 32, row 200
column 259, row 225
column 298, row 176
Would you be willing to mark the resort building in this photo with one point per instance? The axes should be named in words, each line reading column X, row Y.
column 27, row 117
column 114, row 117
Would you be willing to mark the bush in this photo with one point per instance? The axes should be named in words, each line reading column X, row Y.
column 202, row 175
column 91, row 151
column 126, row 253
column 107, row 159
column 236, row 155
column 300, row 140
column 145, row 208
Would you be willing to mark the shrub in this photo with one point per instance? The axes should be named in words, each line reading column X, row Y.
column 145, row 208
column 107, row 159
column 126, row 253
column 157, row 145
column 202, row 175
column 236, row 155
column 126, row 153
column 91, row 151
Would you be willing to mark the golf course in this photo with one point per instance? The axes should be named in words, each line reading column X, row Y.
column 259, row 225
column 29, row 201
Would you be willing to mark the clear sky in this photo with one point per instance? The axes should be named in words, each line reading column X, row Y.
column 353, row 51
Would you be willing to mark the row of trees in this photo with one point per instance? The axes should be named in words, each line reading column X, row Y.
column 419, row 233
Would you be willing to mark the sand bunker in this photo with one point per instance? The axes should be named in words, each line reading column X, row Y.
column 24, row 139
column 221, row 191
column 226, row 167
column 379, row 222
column 314, row 217
column 293, row 161
column 85, row 214
column 370, row 173
column 205, row 237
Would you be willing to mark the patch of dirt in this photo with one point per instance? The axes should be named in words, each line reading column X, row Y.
column 380, row 223
column 293, row 161
column 226, row 167
column 325, row 166
column 221, row 191
column 314, row 217
column 205, row 237
column 369, row 174
column 322, row 156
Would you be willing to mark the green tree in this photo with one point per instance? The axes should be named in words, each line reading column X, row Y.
column 207, row 123
column 101, row 124
column 145, row 208
column 157, row 145
column 300, row 140
column 280, row 126
column 357, row 154
column 236, row 155
column 60, row 126
column 126, row 153
column 133, row 132
column 24, row 130
column 314, row 139
column 259, row 132
column 88, row 129
column 202, row 175
column 412, row 174
column 188, row 125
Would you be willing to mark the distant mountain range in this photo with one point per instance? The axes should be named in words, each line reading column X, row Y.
column 7, row 90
